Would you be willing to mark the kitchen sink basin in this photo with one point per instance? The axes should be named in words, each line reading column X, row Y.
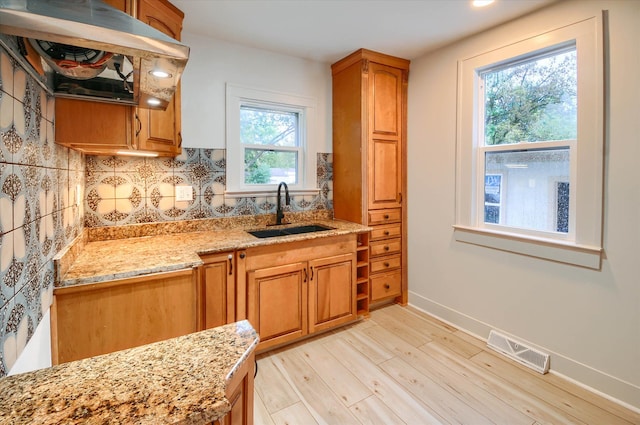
column 271, row 233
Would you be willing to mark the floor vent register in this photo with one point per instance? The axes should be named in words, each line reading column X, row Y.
column 519, row 352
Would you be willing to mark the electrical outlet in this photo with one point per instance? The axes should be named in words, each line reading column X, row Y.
column 184, row 193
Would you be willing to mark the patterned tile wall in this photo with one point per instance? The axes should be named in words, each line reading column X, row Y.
column 128, row 190
column 39, row 215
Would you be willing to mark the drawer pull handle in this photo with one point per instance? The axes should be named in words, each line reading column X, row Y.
column 387, row 286
column 386, row 264
column 386, row 216
column 139, row 129
column 386, row 233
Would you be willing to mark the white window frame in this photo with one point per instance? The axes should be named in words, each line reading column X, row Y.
column 236, row 96
column 583, row 245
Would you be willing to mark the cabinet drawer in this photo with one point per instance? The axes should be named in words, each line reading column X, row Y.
column 386, row 263
column 384, row 247
column 387, row 231
column 386, row 285
column 392, row 215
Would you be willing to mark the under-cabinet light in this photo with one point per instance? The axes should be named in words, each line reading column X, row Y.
column 137, row 153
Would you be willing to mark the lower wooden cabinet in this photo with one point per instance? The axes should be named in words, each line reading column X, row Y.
column 93, row 319
column 332, row 291
column 240, row 395
column 216, row 293
column 277, row 302
column 385, row 250
column 286, row 290
column 386, row 285
column 294, row 289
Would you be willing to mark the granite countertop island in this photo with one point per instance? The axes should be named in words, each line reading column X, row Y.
column 152, row 384
column 131, row 251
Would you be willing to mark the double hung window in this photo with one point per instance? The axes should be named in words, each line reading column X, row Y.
column 530, row 139
column 269, row 140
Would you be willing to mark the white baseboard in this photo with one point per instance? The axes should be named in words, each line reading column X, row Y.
column 617, row 390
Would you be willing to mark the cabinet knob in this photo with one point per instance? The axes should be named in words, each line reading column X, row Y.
column 386, row 247
column 386, row 216
column 387, row 286
column 386, row 233
column 386, row 264
column 242, row 255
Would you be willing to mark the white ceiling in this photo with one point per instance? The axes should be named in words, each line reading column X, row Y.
column 327, row 30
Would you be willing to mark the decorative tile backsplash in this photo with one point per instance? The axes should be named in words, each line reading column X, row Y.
column 39, row 213
column 129, row 190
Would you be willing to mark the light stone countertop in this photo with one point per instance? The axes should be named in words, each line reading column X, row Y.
column 122, row 258
column 152, row 384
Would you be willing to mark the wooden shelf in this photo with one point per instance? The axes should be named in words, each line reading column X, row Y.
column 362, row 275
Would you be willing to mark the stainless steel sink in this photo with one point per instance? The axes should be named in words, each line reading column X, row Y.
column 286, row 231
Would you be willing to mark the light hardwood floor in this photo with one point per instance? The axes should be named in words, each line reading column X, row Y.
column 404, row 367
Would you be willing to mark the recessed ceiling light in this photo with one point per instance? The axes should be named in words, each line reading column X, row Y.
column 481, row 3
column 153, row 101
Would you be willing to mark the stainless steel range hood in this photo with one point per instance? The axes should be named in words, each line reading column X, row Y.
column 88, row 49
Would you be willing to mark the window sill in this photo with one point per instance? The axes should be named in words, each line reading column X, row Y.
column 269, row 192
column 563, row 252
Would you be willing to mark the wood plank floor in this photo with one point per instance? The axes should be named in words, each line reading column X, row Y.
column 402, row 366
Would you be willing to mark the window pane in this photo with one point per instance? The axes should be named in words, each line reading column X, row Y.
column 532, row 101
column 492, row 198
column 270, row 166
column 528, row 189
column 268, row 127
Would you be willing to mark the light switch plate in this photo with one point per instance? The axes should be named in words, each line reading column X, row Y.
column 184, row 193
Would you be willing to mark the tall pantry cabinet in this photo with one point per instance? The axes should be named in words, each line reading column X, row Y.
column 369, row 156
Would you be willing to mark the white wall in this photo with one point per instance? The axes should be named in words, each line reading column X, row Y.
column 213, row 63
column 588, row 320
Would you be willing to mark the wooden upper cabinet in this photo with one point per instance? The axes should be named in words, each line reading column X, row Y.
column 385, row 136
column 160, row 131
column 385, row 174
column 105, row 128
column 385, row 88
column 93, row 127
